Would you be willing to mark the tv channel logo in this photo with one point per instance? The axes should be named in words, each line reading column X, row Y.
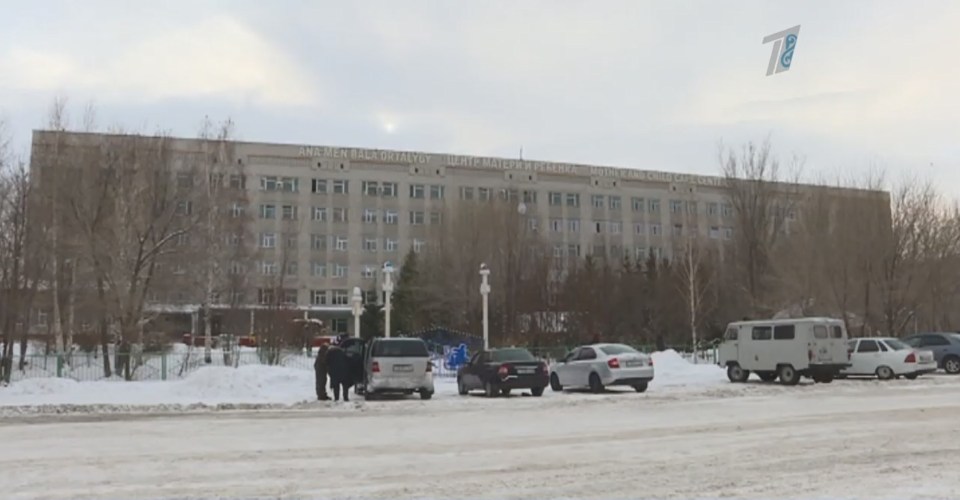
column 784, row 43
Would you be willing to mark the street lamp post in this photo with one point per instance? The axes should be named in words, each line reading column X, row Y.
column 357, row 310
column 388, row 294
column 485, row 292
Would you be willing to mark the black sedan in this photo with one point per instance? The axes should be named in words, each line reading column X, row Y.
column 499, row 371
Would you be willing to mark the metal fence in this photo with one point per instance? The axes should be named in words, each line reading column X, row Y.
column 177, row 365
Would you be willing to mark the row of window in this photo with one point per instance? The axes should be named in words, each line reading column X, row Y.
column 289, row 296
column 317, row 269
column 320, row 242
column 613, row 251
column 342, row 215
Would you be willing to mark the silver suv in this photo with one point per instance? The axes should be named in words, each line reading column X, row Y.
column 398, row 366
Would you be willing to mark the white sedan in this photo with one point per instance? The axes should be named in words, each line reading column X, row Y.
column 600, row 365
column 888, row 358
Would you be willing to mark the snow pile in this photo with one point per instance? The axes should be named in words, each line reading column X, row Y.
column 672, row 370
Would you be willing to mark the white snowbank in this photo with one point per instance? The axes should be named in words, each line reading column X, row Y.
column 672, row 370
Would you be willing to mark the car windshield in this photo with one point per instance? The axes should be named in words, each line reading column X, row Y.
column 399, row 349
column 613, row 350
column 896, row 345
column 503, row 355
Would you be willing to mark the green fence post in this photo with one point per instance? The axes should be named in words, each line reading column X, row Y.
column 163, row 366
column 59, row 365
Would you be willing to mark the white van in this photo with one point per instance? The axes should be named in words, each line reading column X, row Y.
column 786, row 349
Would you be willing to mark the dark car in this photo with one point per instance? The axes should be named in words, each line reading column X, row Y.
column 945, row 347
column 499, row 371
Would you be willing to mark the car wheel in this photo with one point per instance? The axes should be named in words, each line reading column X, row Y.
column 737, row 374
column 823, row 379
column 489, row 390
column 596, row 386
column 767, row 376
column 461, row 388
column 369, row 396
column 912, row 376
column 505, row 392
column 885, row 373
column 537, row 391
column 641, row 387
column 555, row 383
column 425, row 395
column 951, row 365
column 788, row 375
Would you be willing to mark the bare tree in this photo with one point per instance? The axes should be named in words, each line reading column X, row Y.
column 691, row 256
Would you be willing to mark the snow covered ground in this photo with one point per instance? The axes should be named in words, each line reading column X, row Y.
column 692, row 435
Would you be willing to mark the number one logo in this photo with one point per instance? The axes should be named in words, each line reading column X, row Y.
column 784, row 44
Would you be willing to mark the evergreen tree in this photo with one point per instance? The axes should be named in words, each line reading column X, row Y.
column 371, row 322
column 407, row 298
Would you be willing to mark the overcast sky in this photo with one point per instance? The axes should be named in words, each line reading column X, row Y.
column 653, row 85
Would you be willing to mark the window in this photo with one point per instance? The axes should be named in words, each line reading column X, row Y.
column 388, row 189
column 234, row 240
column 555, row 199
column 370, row 188
column 289, row 184
column 557, row 251
column 370, row 244
column 416, row 218
column 600, row 250
column 533, row 224
column 598, row 226
column 732, row 334
column 417, row 191
column 712, row 208
column 933, row 340
column 726, row 210
column 268, row 268
column 183, row 239
column 762, row 333
column 341, row 244
column 615, row 227
column 692, row 207
column 319, row 214
column 655, row 230
column 237, row 210
column 573, row 200
column 289, row 296
column 530, row 197
column 341, row 298
column 391, row 245
column 820, row 332
column 556, row 225
column 654, row 206
column 268, row 183
column 237, row 268
column 895, row 345
column 318, row 186
column 265, row 296
column 369, row 272
column 184, row 208
column 340, row 271
column 184, row 179
column 341, row 187
column 573, row 225
column 268, row 240
column 676, row 206
column 483, row 194
column 339, row 325
column 637, row 204
column 318, row 270
column 318, row 242
column 418, row 245
column 614, row 202
column 639, row 228
column 640, row 253
column 573, row 250
column 466, row 193
column 238, row 182
column 340, row 215
column 179, row 268
column 288, row 212
column 370, row 297
column 292, row 240
column 292, row 268
column 715, row 232
column 318, row 297
column 268, row 211
column 866, row 345
column 436, row 218
column 369, row 216
column 436, row 192
column 678, row 229
column 597, row 201
column 391, row 217
column 784, row 332
column 727, row 233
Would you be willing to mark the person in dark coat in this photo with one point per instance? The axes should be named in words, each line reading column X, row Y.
column 339, row 370
column 320, row 369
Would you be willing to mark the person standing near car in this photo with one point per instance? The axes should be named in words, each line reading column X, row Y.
column 320, row 370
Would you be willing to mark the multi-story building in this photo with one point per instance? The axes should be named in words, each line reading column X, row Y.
column 342, row 212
